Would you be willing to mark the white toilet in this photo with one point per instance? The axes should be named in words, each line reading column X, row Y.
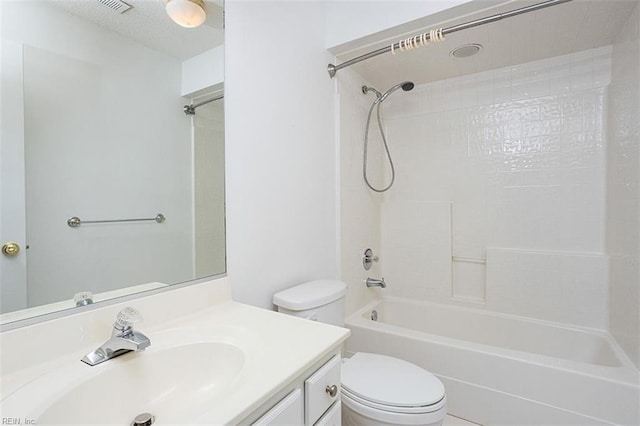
column 376, row 389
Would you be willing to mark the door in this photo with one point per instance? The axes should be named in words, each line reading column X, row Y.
column 13, row 268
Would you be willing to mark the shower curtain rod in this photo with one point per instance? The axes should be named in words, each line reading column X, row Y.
column 191, row 109
column 332, row 69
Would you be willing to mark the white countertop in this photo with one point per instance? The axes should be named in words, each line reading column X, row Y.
column 277, row 347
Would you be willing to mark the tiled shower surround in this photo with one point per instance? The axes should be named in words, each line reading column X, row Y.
column 623, row 192
column 499, row 200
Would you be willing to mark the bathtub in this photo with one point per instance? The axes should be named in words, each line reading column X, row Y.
column 505, row 369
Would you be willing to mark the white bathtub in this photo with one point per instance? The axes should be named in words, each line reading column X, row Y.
column 504, row 369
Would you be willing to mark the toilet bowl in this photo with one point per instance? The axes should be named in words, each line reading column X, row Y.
column 382, row 390
column 376, row 389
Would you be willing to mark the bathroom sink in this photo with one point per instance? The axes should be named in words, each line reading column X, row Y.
column 175, row 384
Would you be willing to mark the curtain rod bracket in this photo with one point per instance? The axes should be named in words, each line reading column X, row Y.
column 331, row 69
column 191, row 109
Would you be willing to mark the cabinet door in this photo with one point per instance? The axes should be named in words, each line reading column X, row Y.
column 321, row 390
column 333, row 417
column 286, row 412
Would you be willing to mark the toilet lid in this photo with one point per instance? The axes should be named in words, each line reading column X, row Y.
column 390, row 381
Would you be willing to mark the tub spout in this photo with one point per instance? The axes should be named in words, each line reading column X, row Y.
column 372, row 282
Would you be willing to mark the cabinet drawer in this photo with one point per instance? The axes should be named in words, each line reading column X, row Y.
column 318, row 390
column 286, row 412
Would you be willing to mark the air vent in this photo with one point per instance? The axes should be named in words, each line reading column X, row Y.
column 117, row 5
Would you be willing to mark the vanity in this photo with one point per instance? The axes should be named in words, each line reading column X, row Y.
column 211, row 361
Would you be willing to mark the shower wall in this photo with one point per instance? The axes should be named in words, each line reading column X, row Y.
column 359, row 206
column 500, row 193
column 623, row 175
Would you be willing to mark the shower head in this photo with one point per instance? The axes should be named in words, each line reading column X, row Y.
column 408, row 85
column 405, row 85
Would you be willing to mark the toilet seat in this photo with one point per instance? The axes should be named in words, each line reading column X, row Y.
column 424, row 409
column 383, row 381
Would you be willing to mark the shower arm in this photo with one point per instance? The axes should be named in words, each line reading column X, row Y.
column 333, row 69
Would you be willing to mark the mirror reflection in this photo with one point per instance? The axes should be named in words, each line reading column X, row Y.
column 109, row 185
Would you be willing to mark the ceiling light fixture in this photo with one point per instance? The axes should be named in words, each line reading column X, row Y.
column 466, row 50
column 187, row 13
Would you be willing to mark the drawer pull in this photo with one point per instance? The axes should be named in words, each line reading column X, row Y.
column 332, row 390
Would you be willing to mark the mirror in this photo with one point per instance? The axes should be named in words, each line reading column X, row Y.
column 107, row 185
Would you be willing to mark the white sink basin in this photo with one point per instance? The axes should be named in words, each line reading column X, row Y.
column 174, row 382
column 212, row 361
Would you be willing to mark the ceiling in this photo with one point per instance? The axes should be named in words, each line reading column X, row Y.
column 148, row 24
column 553, row 31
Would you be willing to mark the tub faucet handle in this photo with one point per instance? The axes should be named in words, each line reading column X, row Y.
column 368, row 258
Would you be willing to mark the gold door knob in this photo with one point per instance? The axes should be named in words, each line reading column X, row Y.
column 10, row 249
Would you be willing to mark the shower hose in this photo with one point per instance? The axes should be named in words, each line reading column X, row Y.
column 376, row 104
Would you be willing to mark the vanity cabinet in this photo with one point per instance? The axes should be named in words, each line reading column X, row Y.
column 289, row 411
column 333, row 416
column 321, row 390
column 313, row 398
column 237, row 365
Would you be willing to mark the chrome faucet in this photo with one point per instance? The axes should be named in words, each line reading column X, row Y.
column 123, row 339
column 372, row 282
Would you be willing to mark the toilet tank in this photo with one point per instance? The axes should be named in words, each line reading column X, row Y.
column 321, row 300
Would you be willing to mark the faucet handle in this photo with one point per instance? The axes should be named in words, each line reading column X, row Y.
column 83, row 298
column 127, row 317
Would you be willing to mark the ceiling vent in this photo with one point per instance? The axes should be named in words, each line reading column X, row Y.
column 117, row 5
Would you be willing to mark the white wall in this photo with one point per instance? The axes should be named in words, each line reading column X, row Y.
column 282, row 227
column 205, row 70
column 351, row 20
column 623, row 189
column 280, row 148
column 141, row 151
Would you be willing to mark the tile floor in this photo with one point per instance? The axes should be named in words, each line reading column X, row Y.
column 450, row 420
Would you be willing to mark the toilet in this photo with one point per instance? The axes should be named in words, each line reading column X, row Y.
column 376, row 389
